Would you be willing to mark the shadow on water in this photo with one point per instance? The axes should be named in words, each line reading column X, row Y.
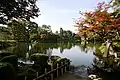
column 84, row 62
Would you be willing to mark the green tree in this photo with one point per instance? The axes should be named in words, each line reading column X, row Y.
column 56, row 33
column 23, row 9
column 47, row 28
column 19, row 30
column 61, row 33
column 23, row 30
column 116, row 6
column 69, row 34
column 40, row 30
column 65, row 34
column 32, row 27
column 5, row 33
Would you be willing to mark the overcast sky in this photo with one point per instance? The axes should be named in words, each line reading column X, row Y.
column 62, row 13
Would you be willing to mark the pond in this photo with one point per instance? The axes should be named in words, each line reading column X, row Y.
column 80, row 54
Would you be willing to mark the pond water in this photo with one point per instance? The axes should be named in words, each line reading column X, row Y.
column 76, row 55
column 80, row 54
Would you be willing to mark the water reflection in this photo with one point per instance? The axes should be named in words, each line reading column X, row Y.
column 74, row 51
column 81, row 55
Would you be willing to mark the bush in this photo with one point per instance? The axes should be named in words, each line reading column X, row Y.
column 10, row 59
column 7, row 71
column 39, row 57
column 59, row 60
column 54, row 58
column 116, row 46
column 103, row 48
column 40, row 62
column 3, row 54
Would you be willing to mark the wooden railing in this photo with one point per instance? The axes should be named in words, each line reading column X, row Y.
column 59, row 69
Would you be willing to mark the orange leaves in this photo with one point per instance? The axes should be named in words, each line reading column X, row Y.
column 114, row 25
column 99, row 21
column 98, row 17
column 116, row 21
column 102, row 16
column 92, row 27
column 96, row 20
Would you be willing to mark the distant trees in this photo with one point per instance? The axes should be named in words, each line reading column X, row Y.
column 23, row 30
column 47, row 28
column 44, row 29
column 65, row 34
column 45, row 33
column 69, row 34
column 61, row 33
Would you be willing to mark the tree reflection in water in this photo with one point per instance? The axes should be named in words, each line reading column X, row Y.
column 107, row 68
column 24, row 50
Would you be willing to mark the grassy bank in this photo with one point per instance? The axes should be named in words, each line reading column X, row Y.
column 7, row 41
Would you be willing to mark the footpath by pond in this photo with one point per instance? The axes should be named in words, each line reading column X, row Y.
column 69, row 76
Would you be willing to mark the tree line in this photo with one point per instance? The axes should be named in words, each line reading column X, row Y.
column 22, row 30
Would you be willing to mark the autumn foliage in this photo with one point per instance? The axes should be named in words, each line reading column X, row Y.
column 100, row 21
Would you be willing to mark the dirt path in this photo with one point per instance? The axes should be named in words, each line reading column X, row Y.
column 69, row 76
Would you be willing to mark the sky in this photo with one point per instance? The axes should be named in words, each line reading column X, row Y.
column 63, row 13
